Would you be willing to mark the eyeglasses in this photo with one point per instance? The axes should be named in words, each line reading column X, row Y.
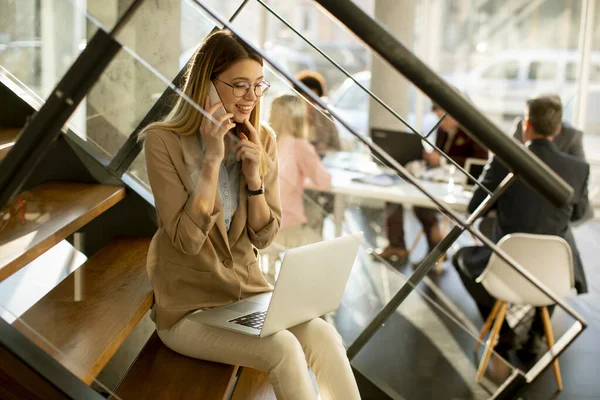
column 240, row 89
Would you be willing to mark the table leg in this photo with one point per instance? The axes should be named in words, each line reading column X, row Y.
column 339, row 205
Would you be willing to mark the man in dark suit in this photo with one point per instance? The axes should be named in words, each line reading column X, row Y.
column 568, row 140
column 458, row 146
column 521, row 209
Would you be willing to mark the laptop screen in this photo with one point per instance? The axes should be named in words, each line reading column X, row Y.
column 403, row 147
column 475, row 169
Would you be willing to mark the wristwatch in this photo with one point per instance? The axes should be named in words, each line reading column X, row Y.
column 261, row 190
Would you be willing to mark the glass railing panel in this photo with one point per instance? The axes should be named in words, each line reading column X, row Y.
column 38, row 43
column 592, row 121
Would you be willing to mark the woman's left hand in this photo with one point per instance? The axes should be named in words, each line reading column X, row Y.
column 249, row 150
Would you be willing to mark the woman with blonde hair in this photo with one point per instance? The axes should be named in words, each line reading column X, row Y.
column 217, row 201
column 298, row 162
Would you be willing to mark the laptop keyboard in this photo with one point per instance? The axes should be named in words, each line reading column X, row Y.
column 254, row 320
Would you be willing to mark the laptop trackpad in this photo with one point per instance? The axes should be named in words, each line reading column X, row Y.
column 244, row 306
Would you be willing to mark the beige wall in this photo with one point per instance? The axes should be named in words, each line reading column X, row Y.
column 127, row 89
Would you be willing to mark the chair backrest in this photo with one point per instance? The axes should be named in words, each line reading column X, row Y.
column 546, row 257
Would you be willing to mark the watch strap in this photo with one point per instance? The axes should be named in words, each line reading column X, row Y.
column 258, row 192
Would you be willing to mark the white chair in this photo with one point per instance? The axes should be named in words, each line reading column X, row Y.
column 550, row 260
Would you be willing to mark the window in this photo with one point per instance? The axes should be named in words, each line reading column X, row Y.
column 508, row 70
column 595, row 73
column 572, row 72
column 542, row 71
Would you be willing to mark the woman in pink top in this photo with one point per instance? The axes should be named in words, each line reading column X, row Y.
column 298, row 163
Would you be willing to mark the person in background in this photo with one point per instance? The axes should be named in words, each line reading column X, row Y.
column 458, row 146
column 568, row 139
column 322, row 132
column 521, row 209
column 298, row 161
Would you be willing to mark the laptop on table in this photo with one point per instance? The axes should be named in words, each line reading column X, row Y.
column 310, row 284
column 475, row 167
column 403, row 147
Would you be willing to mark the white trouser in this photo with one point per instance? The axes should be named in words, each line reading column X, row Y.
column 283, row 355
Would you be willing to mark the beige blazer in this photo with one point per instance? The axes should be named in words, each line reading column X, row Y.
column 193, row 262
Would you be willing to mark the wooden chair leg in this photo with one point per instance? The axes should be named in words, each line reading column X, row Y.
column 550, row 340
column 488, row 323
column 491, row 343
column 416, row 241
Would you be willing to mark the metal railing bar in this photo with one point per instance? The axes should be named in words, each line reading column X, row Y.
column 125, row 17
column 435, row 127
column 489, row 201
column 512, row 386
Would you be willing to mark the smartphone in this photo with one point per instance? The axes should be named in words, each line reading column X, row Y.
column 214, row 98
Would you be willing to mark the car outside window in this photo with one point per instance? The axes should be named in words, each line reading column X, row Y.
column 508, row 70
column 542, row 71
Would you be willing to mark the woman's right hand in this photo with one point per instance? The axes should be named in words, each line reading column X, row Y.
column 213, row 135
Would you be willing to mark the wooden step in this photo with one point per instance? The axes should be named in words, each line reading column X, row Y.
column 161, row 374
column 84, row 335
column 253, row 385
column 37, row 219
column 8, row 137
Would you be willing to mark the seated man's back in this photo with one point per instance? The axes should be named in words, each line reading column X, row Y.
column 522, row 209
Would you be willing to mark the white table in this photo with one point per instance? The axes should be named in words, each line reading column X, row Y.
column 344, row 187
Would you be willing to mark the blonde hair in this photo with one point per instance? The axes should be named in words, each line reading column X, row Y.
column 288, row 117
column 218, row 52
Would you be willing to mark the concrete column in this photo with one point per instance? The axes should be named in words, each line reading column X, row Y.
column 127, row 89
column 428, row 45
column 389, row 85
column 19, row 22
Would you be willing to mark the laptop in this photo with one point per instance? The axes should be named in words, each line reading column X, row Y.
column 403, row 147
column 310, row 284
column 474, row 166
